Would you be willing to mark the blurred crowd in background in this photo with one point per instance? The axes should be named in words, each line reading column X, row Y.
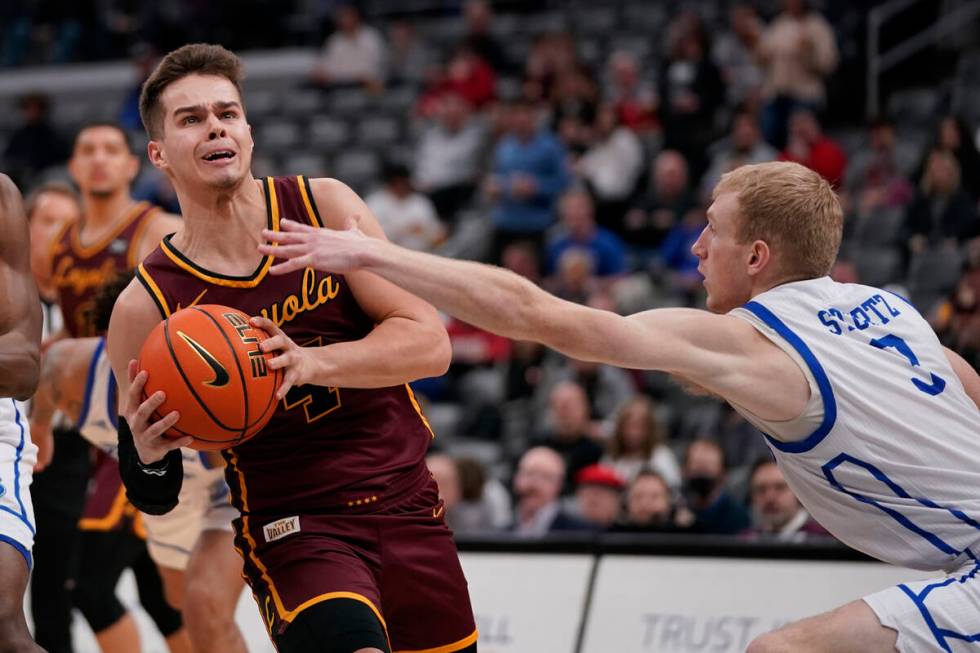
column 580, row 152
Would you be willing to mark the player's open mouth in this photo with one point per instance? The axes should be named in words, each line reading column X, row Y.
column 219, row 155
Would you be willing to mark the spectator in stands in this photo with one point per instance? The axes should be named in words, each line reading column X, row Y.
column 474, row 503
column 355, row 54
column 607, row 388
column 50, row 208
column 537, row 487
column 953, row 134
column 529, row 173
column 450, row 155
column 611, row 166
column 144, row 60
column 809, row 146
column 408, row 217
column 691, row 91
column 638, row 442
column 633, row 97
column 651, row 507
column 35, row 145
column 465, row 74
column 957, row 319
column 574, row 102
column 478, row 19
column 570, row 429
column 579, row 231
column 877, row 179
column 776, row 512
column 574, row 277
column 411, row 60
column 551, row 55
column 715, row 510
column 734, row 54
column 942, row 212
column 742, row 147
column 666, row 202
column 798, row 52
column 599, row 495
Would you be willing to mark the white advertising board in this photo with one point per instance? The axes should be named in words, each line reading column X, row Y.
column 527, row 603
column 717, row 605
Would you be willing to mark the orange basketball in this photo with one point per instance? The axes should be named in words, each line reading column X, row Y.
column 208, row 362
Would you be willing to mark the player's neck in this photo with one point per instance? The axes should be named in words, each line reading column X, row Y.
column 102, row 212
column 221, row 231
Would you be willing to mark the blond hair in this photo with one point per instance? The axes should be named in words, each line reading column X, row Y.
column 793, row 209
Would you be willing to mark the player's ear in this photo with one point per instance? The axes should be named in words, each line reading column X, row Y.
column 156, row 155
column 759, row 256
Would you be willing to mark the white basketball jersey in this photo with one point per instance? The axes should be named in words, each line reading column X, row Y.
column 892, row 467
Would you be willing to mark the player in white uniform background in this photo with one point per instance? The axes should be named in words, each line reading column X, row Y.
column 874, row 424
column 193, row 544
column 20, row 341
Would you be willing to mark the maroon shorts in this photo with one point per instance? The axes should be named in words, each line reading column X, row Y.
column 399, row 560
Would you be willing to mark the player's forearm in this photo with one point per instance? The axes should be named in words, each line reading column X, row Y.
column 397, row 351
column 485, row 296
column 20, row 365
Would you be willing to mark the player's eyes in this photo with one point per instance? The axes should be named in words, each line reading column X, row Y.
column 229, row 114
column 189, row 120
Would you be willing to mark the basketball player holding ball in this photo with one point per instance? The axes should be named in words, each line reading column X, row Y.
column 341, row 528
column 191, row 545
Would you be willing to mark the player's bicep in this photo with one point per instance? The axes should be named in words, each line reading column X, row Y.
column 967, row 375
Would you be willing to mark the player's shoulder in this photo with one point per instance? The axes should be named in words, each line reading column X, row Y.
column 134, row 302
column 335, row 200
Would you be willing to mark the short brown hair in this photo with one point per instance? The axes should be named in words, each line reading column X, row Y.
column 793, row 209
column 193, row 59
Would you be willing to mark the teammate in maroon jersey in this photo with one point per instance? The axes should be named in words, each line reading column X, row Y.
column 341, row 527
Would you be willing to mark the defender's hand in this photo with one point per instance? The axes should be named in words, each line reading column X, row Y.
column 151, row 445
column 329, row 250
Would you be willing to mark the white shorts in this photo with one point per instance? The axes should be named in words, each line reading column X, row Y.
column 933, row 615
column 17, row 457
column 203, row 505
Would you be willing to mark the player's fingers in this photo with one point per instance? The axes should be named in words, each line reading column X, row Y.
column 161, row 426
column 147, row 408
column 282, row 361
column 284, row 237
column 292, row 264
column 286, row 251
column 135, row 394
column 267, row 325
column 279, row 342
column 133, row 369
column 287, row 384
column 293, row 226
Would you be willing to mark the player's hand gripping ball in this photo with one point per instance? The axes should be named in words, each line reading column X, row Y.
column 208, row 362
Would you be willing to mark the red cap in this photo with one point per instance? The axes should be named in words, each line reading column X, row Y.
column 600, row 475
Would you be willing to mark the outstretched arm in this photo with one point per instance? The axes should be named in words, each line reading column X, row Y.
column 721, row 353
column 20, row 310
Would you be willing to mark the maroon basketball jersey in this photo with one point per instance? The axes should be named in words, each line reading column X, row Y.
column 78, row 271
column 325, row 448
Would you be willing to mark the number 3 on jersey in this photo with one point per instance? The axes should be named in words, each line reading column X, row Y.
column 937, row 383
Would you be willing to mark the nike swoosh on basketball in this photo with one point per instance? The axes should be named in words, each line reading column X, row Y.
column 220, row 373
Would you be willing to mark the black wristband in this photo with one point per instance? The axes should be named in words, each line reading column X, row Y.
column 152, row 488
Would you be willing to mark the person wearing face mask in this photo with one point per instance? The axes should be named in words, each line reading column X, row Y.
column 715, row 510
